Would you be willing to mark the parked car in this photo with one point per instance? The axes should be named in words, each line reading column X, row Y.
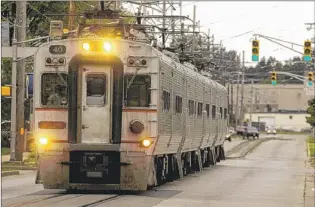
column 5, row 133
column 240, row 130
column 251, row 132
column 271, row 131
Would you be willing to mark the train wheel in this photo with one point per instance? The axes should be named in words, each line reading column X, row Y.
column 213, row 160
column 222, row 153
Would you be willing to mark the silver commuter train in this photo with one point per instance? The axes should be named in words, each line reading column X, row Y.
column 114, row 114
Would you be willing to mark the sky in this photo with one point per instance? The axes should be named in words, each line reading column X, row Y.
column 283, row 20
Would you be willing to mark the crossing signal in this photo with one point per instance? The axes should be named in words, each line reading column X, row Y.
column 255, row 50
column 310, row 78
column 273, row 78
column 307, row 50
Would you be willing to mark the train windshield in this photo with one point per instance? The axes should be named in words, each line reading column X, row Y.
column 137, row 90
column 54, row 90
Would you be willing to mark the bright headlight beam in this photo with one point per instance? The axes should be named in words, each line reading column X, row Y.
column 146, row 143
column 107, row 46
column 86, row 46
column 43, row 141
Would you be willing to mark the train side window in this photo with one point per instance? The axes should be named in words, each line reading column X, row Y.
column 225, row 113
column 221, row 112
column 191, row 107
column 178, row 104
column 166, row 97
column 199, row 109
column 208, row 110
column 138, row 93
column 54, row 90
column 95, row 90
column 213, row 111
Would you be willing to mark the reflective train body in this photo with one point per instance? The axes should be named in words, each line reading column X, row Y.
column 120, row 115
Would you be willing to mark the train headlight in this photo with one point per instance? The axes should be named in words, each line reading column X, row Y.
column 137, row 62
column 43, row 141
column 86, row 46
column 107, row 46
column 136, row 126
column 146, row 143
column 143, row 62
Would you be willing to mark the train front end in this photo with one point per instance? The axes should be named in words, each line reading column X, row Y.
column 95, row 113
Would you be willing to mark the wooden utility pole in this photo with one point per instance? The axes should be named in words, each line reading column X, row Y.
column 237, row 110
column 18, row 118
column 242, row 90
column 251, row 102
column 72, row 10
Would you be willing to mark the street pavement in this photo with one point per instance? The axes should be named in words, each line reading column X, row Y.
column 273, row 175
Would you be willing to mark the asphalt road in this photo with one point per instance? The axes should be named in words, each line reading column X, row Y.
column 270, row 176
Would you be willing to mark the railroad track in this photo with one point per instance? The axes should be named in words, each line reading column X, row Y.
column 79, row 200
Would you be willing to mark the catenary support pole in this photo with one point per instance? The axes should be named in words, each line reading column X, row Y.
column 242, row 90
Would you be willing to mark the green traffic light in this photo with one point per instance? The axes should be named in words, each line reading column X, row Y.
column 255, row 58
column 309, row 83
column 307, row 58
column 274, row 82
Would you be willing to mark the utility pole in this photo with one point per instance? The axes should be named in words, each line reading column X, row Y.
column 164, row 24
column 208, row 46
column 242, row 89
column 71, row 17
column 232, row 106
column 251, row 102
column 194, row 29
column 228, row 97
column 18, row 118
column 237, row 100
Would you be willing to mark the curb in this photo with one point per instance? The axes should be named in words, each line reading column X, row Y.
column 9, row 173
column 13, row 168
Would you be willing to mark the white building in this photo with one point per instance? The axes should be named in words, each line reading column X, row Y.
column 283, row 120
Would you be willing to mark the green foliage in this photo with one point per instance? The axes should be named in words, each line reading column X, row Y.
column 6, row 74
column 310, row 139
column 5, row 151
column 311, row 110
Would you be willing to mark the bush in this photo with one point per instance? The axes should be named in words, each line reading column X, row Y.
column 310, row 139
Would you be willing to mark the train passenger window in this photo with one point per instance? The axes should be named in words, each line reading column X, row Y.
column 221, row 112
column 225, row 113
column 167, row 100
column 199, row 109
column 191, row 107
column 95, row 89
column 178, row 104
column 54, row 90
column 208, row 110
column 138, row 93
column 213, row 111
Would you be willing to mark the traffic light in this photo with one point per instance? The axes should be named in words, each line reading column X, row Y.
column 255, row 50
column 273, row 78
column 307, row 51
column 310, row 78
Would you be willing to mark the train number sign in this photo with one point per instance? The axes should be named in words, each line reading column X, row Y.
column 57, row 49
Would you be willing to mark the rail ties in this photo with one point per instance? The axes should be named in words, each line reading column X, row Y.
column 105, row 200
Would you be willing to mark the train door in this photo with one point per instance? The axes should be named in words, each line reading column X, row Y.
column 96, row 104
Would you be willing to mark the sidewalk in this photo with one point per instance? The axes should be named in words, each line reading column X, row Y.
column 309, row 196
column 6, row 158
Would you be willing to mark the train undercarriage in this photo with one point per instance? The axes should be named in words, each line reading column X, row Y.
column 120, row 171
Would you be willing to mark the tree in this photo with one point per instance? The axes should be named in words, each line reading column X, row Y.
column 311, row 110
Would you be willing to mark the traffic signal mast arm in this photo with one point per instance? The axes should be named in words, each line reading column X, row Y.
column 271, row 39
column 298, row 77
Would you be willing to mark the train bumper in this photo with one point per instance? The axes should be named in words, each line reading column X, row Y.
column 95, row 170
